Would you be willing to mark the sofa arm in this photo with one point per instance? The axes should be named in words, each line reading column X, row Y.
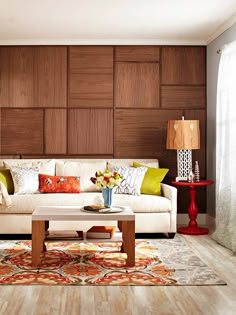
column 170, row 192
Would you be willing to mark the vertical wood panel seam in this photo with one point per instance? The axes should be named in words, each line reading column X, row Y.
column 160, row 76
column 44, row 131
column 68, row 95
column 113, row 104
column 0, row 130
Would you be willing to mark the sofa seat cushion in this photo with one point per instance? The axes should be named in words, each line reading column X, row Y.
column 26, row 204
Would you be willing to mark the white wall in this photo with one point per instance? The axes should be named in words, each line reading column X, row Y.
column 212, row 72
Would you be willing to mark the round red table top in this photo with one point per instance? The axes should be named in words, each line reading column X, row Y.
column 202, row 182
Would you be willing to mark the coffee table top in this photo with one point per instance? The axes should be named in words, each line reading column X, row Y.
column 60, row 213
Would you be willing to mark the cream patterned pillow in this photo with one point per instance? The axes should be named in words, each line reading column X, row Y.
column 45, row 166
column 25, row 179
column 132, row 179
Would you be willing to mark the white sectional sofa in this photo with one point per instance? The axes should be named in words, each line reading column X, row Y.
column 154, row 214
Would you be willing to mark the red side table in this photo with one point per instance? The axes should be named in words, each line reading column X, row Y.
column 193, row 228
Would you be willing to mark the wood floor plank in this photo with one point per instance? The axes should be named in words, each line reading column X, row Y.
column 133, row 300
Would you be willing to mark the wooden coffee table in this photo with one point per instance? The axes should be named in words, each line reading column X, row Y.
column 42, row 215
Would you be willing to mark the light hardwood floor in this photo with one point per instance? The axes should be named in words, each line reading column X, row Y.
column 174, row 300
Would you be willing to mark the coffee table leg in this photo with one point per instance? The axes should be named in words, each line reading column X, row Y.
column 46, row 227
column 119, row 223
column 38, row 235
column 128, row 235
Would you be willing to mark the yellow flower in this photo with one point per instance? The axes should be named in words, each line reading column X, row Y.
column 106, row 179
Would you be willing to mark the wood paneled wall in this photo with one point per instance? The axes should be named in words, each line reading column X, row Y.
column 100, row 101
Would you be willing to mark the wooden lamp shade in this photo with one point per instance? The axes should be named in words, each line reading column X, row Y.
column 183, row 134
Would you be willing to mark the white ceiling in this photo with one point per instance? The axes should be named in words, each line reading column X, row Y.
column 193, row 22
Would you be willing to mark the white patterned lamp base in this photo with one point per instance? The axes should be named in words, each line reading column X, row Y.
column 184, row 164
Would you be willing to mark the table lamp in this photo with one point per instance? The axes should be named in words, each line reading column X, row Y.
column 183, row 136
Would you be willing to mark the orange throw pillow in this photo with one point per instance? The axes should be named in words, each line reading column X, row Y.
column 59, row 184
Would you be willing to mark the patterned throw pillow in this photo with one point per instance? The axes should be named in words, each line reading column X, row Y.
column 25, row 179
column 132, row 179
column 45, row 166
column 59, row 184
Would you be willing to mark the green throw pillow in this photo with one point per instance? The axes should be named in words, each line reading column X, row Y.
column 6, row 179
column 151, row 184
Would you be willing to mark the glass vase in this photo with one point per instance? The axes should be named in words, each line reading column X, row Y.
column 107, row 194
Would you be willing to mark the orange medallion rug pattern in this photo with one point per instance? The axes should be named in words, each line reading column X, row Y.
column 157, row 262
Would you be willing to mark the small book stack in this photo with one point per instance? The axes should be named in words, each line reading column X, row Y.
column 64, row 235
column 101, row 232
column 94, row 208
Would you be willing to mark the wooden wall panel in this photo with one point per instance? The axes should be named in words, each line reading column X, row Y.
column 199, row 155
column 137, row 53
column 91, row 76
column 152, row 85
column 55, row 131
column 22, row 77
column 183, row 65
column 91, row 59
column 63, row 156
column 142, row 133
column 90, row 131
column 6, row 157
column 22, row 131
column 0, row 131
column 4, row 76
column 33, row 77
column 88, row 90
column 52, row 76
column 183, row 97
column 137, row 85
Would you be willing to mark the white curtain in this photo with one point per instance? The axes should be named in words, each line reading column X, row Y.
column 225, row 232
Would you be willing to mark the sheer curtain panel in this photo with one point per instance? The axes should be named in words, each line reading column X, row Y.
column 225, row 232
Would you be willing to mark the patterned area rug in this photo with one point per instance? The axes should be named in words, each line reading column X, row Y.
column 158, row 262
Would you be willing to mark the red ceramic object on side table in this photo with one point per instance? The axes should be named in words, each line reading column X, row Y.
column 193, row 228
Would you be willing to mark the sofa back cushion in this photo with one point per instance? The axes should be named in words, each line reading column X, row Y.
column 83, row 168
column 129, row 162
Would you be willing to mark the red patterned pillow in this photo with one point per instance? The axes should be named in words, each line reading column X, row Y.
column 59, row 184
